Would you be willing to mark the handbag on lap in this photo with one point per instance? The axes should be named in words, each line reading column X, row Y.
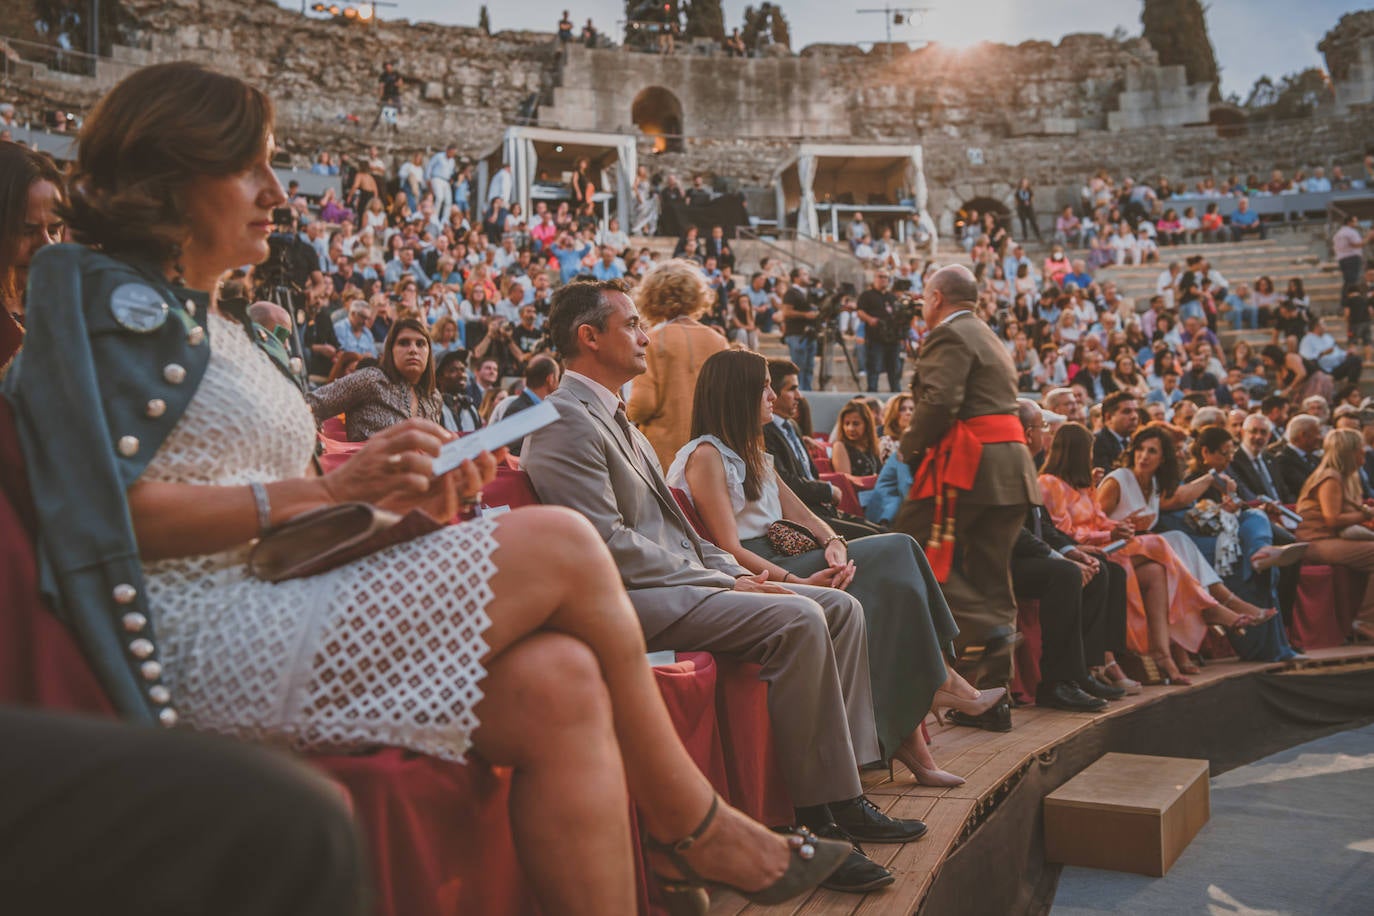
column 321, row 539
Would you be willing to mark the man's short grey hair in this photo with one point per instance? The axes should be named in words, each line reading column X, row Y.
column 359, row 306
column 955, row 283
column 1256, row 419
column 1302, row 421
column 1208, row 416
column 1027, row 411
column 1054, row 394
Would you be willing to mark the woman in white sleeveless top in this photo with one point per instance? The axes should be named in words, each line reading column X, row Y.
column 730, row 478
column 1151, row 461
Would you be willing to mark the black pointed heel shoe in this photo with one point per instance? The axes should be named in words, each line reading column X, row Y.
column 812, row 861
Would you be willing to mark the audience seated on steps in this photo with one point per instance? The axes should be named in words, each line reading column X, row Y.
column 213, row 447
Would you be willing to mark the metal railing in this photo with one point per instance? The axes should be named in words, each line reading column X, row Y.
column 16, row 52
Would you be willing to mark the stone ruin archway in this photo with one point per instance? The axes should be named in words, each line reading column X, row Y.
column 658, row 114
column 989, row 205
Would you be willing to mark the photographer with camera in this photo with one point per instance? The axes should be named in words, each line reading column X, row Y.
column 499, row 345
column 801, row 324
column 878, row 310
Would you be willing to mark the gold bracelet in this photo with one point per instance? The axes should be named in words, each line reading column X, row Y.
column 833, row 537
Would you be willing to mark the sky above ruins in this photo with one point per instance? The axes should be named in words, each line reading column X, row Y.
column 1251, row 37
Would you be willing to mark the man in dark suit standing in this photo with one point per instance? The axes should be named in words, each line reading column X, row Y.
column 792, row 461
column 1120, row 417
column 975, row 480
column 1295, row 460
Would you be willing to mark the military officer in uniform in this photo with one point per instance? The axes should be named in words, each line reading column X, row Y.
column 974, row 476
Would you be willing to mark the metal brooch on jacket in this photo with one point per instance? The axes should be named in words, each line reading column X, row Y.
column 138, row 308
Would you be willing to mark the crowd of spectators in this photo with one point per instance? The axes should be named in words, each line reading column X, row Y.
column 402, row 287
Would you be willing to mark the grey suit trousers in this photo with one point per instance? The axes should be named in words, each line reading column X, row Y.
column 813, row 647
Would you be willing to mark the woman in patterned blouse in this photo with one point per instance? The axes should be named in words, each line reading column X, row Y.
column 401, row 388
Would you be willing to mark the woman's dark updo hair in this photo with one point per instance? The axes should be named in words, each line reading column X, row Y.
column 1211, row 438
column 145, row 144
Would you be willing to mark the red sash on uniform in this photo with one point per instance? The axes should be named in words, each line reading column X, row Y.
column 951, row 466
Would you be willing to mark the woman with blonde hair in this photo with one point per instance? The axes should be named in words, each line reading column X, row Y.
column 1335, row 520
column 670, row 298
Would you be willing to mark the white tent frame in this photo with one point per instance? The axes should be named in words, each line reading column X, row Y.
column 804, row 163
column 519, row 148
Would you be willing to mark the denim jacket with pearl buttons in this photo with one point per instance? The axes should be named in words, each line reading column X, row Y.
column 113, row 354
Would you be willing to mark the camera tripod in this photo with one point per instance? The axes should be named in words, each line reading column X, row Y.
column 830, row 336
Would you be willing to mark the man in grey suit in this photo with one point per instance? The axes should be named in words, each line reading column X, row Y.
column 692, row 596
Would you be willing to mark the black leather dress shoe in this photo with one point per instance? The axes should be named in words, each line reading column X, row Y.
column 1095, row 688
column 859, row 874
column 862, row 820
column 1065, row 695
column 996, row 719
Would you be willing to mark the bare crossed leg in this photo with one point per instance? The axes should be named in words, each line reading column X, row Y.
column 561, row 622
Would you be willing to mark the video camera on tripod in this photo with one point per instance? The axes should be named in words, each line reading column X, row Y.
column 908, row 306
column 290, row 260
column 829, row 305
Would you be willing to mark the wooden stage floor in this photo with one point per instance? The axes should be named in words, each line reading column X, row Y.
column 987, row 760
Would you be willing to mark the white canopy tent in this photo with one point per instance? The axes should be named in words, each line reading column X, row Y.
column 530, row 151
column 866, row 172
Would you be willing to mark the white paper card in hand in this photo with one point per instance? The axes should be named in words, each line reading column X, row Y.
column 489, row 438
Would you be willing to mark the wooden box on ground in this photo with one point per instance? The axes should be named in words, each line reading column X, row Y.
column 1128, row 812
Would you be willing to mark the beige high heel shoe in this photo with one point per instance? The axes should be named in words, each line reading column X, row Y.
column 936, row 778
column 969, row 706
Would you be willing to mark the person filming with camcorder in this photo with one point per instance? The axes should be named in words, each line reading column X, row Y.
column 880, row 312
column 801, row 323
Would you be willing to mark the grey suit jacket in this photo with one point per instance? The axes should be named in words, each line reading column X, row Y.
column 583, row 462
column 964, row 371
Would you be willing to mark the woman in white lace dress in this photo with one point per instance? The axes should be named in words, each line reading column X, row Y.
column 465, row 639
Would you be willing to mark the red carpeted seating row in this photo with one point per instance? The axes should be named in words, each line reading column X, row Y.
column 438, row 832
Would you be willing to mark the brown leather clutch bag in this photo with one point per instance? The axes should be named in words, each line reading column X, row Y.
column 321, row 539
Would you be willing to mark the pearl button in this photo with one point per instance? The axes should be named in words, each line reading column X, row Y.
column 125, row 593
column 296, row 364
column 156, row 408
column 159, row 694
column 174, row 373
column 134, row 622
column 140, row 648
column 128, row 446
column 167, row 717
column 191, row 307
column 151, row 670
column 196, row 336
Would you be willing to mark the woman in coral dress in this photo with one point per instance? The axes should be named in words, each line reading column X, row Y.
column 1168, row 609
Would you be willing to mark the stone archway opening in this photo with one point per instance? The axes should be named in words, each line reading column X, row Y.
column 658, row 114
column 982, row 205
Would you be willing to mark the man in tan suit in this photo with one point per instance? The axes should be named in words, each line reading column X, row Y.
column 692, row 596
column 965, row 390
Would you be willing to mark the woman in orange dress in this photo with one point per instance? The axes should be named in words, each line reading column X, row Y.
column 1165, row 604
